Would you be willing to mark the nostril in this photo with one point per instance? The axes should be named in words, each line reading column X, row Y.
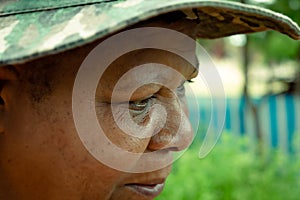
column 165, row 148
column 160, row 141
column 164, row 141
column 172, row 137
column 173, row 149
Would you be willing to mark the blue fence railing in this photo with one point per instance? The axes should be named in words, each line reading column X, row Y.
column 279, row 118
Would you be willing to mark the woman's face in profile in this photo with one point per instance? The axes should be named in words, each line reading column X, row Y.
column 42, row 155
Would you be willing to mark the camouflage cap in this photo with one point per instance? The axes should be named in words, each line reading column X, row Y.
column 31, row 29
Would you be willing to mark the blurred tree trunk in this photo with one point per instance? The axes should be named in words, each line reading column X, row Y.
column 297, row 89
column 249, row 103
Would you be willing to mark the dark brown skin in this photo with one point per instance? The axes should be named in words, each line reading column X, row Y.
column 41, row 154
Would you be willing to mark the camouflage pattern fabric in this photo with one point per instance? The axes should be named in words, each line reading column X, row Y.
column 31, row 29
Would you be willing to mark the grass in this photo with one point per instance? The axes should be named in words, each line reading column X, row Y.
column 233, row 172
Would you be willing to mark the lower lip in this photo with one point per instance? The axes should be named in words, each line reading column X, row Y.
column 150, row 191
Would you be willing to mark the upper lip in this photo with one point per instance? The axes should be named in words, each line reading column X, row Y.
column 148, row 182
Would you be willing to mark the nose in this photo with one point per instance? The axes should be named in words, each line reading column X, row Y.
column 177, row 133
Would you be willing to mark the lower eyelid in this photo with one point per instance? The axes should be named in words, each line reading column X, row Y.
column 141, row 117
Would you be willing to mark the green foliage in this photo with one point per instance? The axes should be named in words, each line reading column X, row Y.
column 290, row 8
column 274, row 46
column 233, row 172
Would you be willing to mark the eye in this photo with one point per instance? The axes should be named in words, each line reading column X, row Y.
column 181, row 88
column 141, row 106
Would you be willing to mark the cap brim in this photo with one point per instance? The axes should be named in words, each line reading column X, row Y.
column 32, row 33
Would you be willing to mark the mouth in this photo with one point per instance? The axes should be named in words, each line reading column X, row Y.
column 148, row 190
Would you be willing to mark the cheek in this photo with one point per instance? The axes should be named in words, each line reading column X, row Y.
column 48, row 157
column 118, row 136
column 184, row 105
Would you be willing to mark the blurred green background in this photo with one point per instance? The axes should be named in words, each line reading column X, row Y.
column 261, row 162
column 233, row 171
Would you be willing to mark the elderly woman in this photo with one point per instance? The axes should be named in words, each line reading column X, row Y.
column 92, row 101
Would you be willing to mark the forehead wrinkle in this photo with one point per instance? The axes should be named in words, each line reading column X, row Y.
column 131, row 60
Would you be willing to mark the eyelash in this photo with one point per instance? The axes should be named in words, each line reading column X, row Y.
column 143, row 106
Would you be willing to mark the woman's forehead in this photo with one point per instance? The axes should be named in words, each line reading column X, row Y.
column 145, row 71
column 149, row 63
